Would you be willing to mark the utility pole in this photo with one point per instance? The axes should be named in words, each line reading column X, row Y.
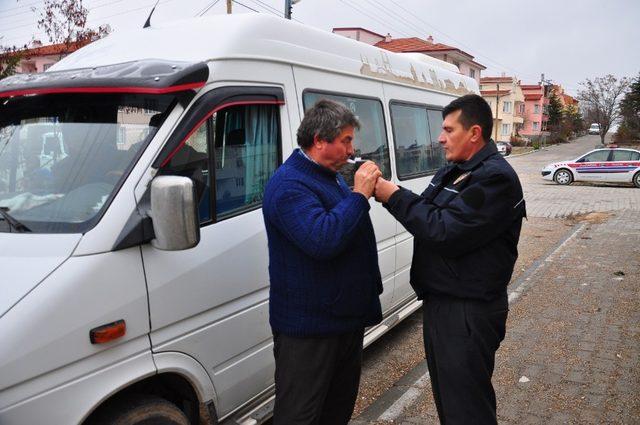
column 229, row 4
column 495, row 139
column 288, row 6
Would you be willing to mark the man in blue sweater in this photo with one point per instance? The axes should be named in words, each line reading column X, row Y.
column 323, row 267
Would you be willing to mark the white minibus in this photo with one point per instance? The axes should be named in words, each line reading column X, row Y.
column 133, row 255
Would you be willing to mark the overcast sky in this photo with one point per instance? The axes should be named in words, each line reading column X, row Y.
column 567, row 40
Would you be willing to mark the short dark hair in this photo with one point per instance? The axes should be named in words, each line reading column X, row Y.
column 326, row 119
column 474, row 111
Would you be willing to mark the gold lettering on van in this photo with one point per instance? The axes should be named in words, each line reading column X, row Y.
column 383, row 70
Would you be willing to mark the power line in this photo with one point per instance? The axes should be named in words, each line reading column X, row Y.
column 269, row 8
column 244, row 5
column 489, row 59
column 207, row 8
column 386, row 24
column 88, row 10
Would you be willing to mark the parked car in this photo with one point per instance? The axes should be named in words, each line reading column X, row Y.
column 599, row 165
column 504, row 148
column 594, row 128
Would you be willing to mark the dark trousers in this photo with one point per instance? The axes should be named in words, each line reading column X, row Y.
column 461, row 338
column 316, row 378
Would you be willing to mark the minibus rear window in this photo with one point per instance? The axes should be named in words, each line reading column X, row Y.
column 63, row 156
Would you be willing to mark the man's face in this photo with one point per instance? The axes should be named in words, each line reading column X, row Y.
column 335, row 154
column 456, row 140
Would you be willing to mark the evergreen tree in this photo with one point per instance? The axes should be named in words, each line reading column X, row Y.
column 630, row 110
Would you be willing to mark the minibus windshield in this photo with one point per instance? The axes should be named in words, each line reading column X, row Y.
column 63, row 156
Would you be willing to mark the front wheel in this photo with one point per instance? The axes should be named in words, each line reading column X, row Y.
column 139, row 409
column 636, row 179
column 563, row 177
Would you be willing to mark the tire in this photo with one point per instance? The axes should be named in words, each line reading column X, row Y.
column 636, row 179
column 140, row 409
column 563, row 177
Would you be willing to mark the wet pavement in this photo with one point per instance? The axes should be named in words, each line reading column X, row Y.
column 572, row 349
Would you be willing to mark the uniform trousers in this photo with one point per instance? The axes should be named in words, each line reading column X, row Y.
column 317, row 378
column 461, row 337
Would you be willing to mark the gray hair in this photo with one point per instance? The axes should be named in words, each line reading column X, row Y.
column 326, row 119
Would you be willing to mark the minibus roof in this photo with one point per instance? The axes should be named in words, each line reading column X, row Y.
column 262, row 37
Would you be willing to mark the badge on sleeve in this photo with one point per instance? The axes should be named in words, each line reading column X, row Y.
column 461, row 177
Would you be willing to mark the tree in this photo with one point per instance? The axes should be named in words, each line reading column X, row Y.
column 630, row 110
column 573, row 118
column 600, row 97
column 65, row 22
column 555, row 118
column 9, row 60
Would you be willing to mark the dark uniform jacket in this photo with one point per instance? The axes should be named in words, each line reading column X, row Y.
column 466, row 227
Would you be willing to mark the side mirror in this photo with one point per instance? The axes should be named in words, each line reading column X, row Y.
column 174, row 213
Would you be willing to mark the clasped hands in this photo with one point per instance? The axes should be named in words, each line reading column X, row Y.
column 369, row 182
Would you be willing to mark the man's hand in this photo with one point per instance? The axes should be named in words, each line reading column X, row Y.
column 365, row 178
column 384, row 190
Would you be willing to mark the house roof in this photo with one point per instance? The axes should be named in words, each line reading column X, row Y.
column 415, row 44
column 531, row 87
column 494, row 92
column 486, row 80
column 357, row 29
column 532, row 96
column 52, row 49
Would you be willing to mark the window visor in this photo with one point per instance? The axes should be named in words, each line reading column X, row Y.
column 145, row 77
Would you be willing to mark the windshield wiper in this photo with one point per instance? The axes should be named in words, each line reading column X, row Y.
column 19, row 227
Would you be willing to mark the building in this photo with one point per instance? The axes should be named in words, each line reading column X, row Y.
column 536, row 105
column 39, row 58
column 564, row 98
column 463, row 60
column 507, row 102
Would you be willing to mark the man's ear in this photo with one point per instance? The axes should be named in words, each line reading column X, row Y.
column 318, row 142
column 476, row 133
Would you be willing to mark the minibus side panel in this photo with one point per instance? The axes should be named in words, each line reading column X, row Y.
column 211, row 302
column 417, row 184
column 314, row 81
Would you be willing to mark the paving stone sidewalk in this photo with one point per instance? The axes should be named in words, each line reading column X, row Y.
column 574, row 335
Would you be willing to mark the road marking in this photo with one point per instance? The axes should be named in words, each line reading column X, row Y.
column 406, row 399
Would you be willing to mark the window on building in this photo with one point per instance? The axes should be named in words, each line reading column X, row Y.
column 472, row 73
column 371, row 140
column 506, row 129
column 506, row 106
column 536, row 126
column 415, row 131
column 536, row 109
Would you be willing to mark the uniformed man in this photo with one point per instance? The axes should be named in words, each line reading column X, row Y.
column 466, row 227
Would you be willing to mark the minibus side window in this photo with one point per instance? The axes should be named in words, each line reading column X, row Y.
column 247, row 140
column 415, row 130
column 371, row 140
column 245, row 143
column 192, row 161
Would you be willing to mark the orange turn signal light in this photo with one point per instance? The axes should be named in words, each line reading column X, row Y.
column 108, row 332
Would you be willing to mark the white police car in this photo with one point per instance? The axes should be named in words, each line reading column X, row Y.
column 599, row 165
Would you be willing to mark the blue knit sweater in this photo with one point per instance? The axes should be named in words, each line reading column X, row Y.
column 323, row 262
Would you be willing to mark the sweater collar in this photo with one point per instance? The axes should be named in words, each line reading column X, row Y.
column 302, row 162
column 487, row 150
